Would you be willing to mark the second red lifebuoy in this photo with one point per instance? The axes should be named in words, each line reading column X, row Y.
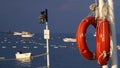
column 102, row 52
column 102, row 42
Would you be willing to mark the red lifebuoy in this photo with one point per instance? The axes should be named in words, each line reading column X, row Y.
column 81, row 39
column 102, row 53
column 102, row 42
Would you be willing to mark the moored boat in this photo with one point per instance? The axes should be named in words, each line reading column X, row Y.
column 26, row 34
column 20, row 55
column 17, row 33
column 69, row 40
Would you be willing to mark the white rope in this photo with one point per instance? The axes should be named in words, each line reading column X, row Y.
column 94, row 9
column 105, row 11
column 104, row 54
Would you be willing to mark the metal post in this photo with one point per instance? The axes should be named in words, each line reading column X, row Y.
column 113, row 35
column 47, row 37
column 44, row 19
column 48, row 63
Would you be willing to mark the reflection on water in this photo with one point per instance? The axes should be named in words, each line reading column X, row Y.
column 23, row 62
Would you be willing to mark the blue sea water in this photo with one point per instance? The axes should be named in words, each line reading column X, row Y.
column 62, row 54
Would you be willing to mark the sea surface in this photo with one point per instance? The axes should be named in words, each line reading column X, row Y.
column 62, row 54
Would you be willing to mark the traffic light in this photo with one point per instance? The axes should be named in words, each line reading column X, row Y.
column 44, row 16
column 41, row 19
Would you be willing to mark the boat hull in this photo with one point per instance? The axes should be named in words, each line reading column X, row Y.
column 23, row 55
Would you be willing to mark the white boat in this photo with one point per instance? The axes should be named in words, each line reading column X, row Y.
column 55, row 46
column 26, row 34
column 69, row 40
column 17, row 33
column 20, row 55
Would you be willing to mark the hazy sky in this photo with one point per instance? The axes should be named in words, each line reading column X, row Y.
column 63, row 15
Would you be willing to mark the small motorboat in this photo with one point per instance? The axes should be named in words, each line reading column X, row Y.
column 26, row 34
column 69, row 40
column 17, row 33
column 20, row 55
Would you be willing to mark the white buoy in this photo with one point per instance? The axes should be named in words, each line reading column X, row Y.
column 13, row 46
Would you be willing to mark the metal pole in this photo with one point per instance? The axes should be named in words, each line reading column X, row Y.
column 44, row 19
column 48, row 64
column 114, row 63
column 47, row 42
column 47, row 37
